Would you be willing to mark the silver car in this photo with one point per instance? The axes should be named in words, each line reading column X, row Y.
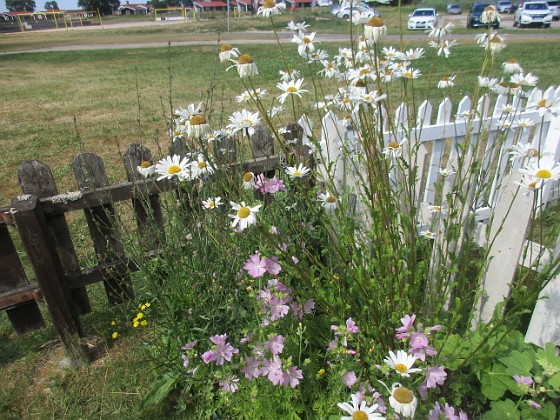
column 554, row 8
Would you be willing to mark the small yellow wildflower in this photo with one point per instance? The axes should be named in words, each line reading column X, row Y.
column 114, row 335
column 144, row 323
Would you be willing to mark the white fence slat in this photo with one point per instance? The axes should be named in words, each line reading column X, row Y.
column 507, row 233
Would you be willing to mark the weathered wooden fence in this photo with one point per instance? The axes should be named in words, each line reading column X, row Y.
column 39, row 215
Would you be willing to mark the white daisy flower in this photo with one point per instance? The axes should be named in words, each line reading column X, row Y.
column 317, row 55
column 393, row 149
column 228, row 53
column 305, row 42
column 298, row 171
column 410, row 55
column 245, row 66
column 359, row 410
column 544, row 103
column 293, row 87
column 402, row 362
column 439, row 31
column 523, row 151
column 189, row 111
column 244, row 121
column 286, row 76
column 375, row 29
column 249, row 180
column 443, row 47
column 403, row 401
column 545, row 169
column 197, row 126
column 250, row 94
column 524, row 80
column 330, row 69
column 328, row 201
column 427, row 234
column 146, row 169
column 409, row 73
column 496, row 44
column 275, row 110
column 530, row 183
column 212, row 203
column 446, row 82
column 490, row 15
column 512, row 66
column 438, row 209
column 523, row 123
column 297, row 27
column 504, row 124
column 486, row 82
column 244, row 215
column 446, row 171
column 202, row 166
column 270, row 8
column 389, row 52
column 174, row 166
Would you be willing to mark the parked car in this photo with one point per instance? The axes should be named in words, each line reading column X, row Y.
column 536, row 13
column 324, row 2
column 554, row 8
column 505, row 6
column 475, row 14
column 357, row 11
column 425, row 18
column 454, row 9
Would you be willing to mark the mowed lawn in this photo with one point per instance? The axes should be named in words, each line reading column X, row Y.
column 56, row 104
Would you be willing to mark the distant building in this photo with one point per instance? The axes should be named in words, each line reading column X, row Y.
column 209, row 5
column 134, row 9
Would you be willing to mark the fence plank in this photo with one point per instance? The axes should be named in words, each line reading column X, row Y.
column 37, row 239
column 507, row 235
column 147, row 207
column 36, row 178
column 22, row 310
column 89, row 171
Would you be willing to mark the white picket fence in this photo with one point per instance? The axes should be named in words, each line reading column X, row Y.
column 435, row 143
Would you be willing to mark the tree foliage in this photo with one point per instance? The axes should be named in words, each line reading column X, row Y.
column 20, row 5
column 105, row 7
column 51, row 5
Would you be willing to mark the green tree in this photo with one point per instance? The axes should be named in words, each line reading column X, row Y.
column 20, row 5
column 105, row 7
column 51, row 5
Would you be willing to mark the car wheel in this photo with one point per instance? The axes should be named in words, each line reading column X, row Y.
column 547, row 25
column 346, row 17
column 514, row 23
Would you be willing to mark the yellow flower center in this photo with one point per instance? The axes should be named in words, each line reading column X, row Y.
column 269, row 4
column 306, row 40
column 403, row 395
column 248, row 122
column 174, row 169
column 198, row 119
column 145, row 164
column 393, row 145
column 211, row 204
column 514, row 85
column 401, row 367
column 247, row 176
column 543, row 173
column 359, row 415
column 375, row 22
column 226, row 47
column 445, row 79
column 244, row 59
column 202, row 165
column 408, row 74
column 331, row 199
column 512, row 61
column 360, row 83
column 363, row 72
column 496, row 40
column 542, row 103
column 297, row 173
column 490, row 9
column 533, row 152
column 292, row 89
column 243, row 212
column 532, row 184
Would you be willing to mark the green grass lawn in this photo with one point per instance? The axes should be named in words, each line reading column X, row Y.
column 56, row 104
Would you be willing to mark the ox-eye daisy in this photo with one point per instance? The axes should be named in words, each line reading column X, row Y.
column 545, row 169
column 298, row 171
column 245, row 66
column 249, row 180
column 403, row 401
column 375, row 30
column 212, row 203
column 402, row 362
column 305, row 42
column 228, row 52
column 244, row 215
column 146, row 169
column 292, row 87
column 202, row 167
column 170, row 167
column 197, row 126
column 243, row 121
column 359, row 410
column 329, row 201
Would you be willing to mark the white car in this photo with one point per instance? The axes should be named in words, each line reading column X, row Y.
column 425, row 18
column 554, row 8
column 361, row 11
column 533, row 13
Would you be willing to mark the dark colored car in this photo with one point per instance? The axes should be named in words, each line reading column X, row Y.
column 454, row 9
column 505, row 6
column 475, row 14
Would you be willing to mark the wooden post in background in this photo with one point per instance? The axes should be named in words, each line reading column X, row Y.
column 37, row 178
column 37, row 239
column 89, row 171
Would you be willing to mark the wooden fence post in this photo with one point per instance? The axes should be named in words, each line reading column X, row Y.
column 36, row 237
column 37, row 178
column 147, row 208
column 89, row 171
column 23, row 316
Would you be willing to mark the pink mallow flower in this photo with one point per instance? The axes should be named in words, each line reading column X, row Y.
column 407, row 321
column 349, row 379
column 291, row 377
column 220, row 352
column 419, row 346
column 256, row 266
column 229, row 384
column 351, row 326
column 435, row 376
column 275, row 344
column 251, row 368
column 270, row 186
column 272, row 266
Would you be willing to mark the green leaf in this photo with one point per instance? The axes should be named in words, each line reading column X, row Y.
column 500, row 410
column 547, row 412
column 496, row 382
column 548, row 360
column 519, row 363
column 554, row 382
column 159, row 391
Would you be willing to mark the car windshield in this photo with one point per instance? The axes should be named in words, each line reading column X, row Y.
column 423, row 13
column 553, row 3
column 536, row 6
column 479, row 8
